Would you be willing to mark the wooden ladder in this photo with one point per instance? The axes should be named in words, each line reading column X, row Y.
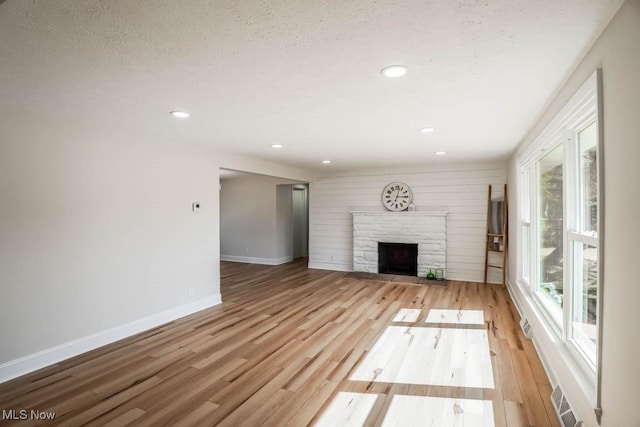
column 496, row 242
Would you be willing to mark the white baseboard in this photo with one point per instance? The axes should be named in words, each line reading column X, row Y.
column 41, row 359
column 557, row 360
column 519, row 301
column 463, row 278
column 515, row 298
column 254, row 260
column 330, row 266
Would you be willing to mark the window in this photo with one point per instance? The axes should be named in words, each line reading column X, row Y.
column 550, row 236
column 525, row 229
column 558, row 257
column 584, row 245
column 588, row 173
column 526, row 245
column 584, row 299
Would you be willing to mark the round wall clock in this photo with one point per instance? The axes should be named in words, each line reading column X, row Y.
column 397, row 196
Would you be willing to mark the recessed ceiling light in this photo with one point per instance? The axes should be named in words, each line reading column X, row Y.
column 179, row 114
column 326, row 162
column 276, row 145
column 394, row 71
column 440, row 153
column 427, row 130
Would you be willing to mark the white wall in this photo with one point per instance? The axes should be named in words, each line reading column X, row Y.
column 263, row 167
column 255, row 219
column 97, row 233
column 97, row 236
column 459, row 189
column 617, row 52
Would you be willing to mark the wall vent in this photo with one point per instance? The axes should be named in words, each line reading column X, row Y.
column 565, row 414
column 526, row 328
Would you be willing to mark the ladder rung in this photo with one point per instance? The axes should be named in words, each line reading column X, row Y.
column 494, row 266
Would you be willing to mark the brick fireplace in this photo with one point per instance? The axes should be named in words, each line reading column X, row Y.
column 426, row 229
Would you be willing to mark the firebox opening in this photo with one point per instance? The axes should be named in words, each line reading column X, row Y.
column 398, row 258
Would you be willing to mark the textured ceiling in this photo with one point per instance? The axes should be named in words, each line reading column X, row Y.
column 305, row 74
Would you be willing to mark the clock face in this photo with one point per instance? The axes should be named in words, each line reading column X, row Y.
column 397, row 196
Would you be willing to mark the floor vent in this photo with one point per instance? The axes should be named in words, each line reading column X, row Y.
column 563, row 409
column 526, row 328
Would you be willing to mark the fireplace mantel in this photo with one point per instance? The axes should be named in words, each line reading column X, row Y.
column 426, row 228
column 414, row 213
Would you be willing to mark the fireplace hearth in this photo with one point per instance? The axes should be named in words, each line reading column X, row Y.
column 398, row 258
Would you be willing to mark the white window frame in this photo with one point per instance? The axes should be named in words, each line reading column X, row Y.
column 582, row 109
column 525, row 223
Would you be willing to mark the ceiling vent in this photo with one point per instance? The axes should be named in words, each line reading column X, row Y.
column 565, row 414
column 526, row 327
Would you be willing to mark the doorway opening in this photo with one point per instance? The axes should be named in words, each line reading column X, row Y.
column 300, row 220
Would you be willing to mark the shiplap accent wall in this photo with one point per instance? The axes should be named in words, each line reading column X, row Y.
column 461, row 190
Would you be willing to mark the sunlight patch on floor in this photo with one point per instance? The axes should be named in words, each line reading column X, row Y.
column 407, row 315
column 419, row 411
column 429, row 356
column 457, row 317
column 347, row 409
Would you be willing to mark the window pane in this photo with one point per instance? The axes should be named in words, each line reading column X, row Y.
column 526, row 252
column 585, row 297
column 587, row 143
column 550, row 228
column 525, row 203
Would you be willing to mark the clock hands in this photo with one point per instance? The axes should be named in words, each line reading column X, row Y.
column 398, row 195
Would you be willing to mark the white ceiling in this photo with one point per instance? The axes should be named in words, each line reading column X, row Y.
column 305, row 74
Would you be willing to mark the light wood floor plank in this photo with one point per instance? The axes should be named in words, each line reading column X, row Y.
column 284, row 344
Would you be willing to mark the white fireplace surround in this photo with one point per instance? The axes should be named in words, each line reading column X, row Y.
column 427, row 229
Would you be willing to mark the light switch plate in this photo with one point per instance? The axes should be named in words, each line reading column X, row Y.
column 195, row 206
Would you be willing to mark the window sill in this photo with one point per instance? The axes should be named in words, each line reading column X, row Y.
column 551, row 313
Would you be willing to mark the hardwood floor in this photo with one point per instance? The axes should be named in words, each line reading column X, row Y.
column 292, row 347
